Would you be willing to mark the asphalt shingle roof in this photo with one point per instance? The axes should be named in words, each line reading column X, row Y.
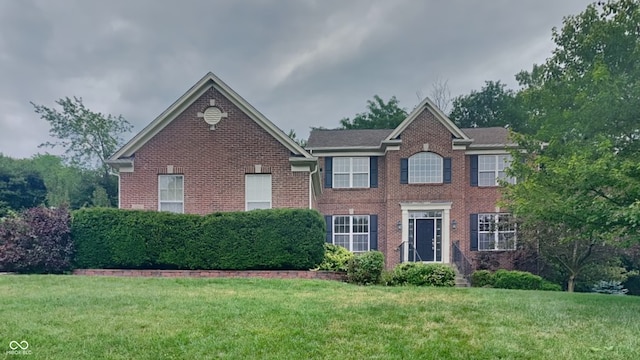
column 339, row 138
column 320, row 138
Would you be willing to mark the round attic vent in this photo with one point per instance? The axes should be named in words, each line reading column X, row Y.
column 212, row 115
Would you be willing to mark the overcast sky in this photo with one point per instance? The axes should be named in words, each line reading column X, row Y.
column 301, row 63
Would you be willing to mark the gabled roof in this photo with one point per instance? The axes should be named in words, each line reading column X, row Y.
column 325, row 138
column 341, row 139
column 428, row 105
column 208, row 81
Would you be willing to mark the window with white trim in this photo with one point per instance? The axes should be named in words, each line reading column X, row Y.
column 257, row 191
column 491, row 169
column 171, row 193
column 351, row 172
column 351, row 232
column 425, row 168
column 496, row 232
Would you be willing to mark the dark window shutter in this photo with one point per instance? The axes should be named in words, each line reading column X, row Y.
column 474, row 232
column 404, row 171
column 328, row 172
column 474, row 170
column 446, row 170
column 373, row 232
column 329, row 220
column 373, row 172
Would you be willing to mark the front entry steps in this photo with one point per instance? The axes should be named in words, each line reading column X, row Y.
column 461, row 281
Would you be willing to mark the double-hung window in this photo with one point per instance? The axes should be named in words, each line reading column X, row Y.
column 257, row 191
column 425, row 168
column 496, row 232
column 351, row 232
column 351, row 172
column 171, row 193
column 491, row 169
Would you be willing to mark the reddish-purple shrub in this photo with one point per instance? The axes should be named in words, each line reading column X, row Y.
column 38, row 241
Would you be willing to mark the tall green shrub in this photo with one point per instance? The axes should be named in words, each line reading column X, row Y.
column 260, row 239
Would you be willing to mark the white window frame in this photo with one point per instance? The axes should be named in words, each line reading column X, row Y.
column 265, row 194
column 494, row 228
column 501, row 163
column 350, row 172
column 426, row 177
column 352, row 231
column 161, row 201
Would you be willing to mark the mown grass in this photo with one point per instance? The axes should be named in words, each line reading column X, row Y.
column 73, row 317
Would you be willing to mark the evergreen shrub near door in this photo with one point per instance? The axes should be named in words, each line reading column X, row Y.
column 274, row 239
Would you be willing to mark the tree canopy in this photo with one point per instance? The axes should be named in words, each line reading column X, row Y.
column 580, row 172
column 493, row 105
column 380, row 115
column 88, row 138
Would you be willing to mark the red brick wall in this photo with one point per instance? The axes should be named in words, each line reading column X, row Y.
column 385, row 200
column 214, row 163
column 426, row 129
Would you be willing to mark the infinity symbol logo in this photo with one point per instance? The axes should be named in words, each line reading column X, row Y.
column 14, row 345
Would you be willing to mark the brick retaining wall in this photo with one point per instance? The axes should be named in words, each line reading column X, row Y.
column 266, row 274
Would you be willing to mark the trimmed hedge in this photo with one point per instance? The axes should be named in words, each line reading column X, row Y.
column 274, row 239
column 420, row 274
column 504, row 279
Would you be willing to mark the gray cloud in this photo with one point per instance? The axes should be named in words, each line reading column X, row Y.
column 301, row 63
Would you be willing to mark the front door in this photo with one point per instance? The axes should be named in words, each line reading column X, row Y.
column 428, row 246
column 425, row 239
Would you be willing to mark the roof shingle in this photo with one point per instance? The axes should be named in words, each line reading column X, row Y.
column 341, row 138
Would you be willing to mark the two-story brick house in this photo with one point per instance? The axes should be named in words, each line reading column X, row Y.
column 410, row 192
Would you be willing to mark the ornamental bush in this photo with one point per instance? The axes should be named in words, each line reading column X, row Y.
column 260, row 239
column 420, row 274
column 366, row 268
column 336, row 258
column 36, row 241
column 609, row 287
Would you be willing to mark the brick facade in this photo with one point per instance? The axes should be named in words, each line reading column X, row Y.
column 214, row 164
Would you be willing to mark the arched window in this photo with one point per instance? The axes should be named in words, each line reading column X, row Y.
column 425, row 168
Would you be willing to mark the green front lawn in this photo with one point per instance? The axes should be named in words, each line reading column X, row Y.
column 73, row 317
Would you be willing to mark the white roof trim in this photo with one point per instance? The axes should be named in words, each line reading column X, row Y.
column 208, row 81
column 427, row 104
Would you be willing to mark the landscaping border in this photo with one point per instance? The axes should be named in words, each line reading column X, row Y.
column 265, row 274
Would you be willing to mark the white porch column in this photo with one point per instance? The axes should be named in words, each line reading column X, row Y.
column 446, row 241
column 405, row 235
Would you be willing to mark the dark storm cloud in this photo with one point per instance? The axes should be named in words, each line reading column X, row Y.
column 301, row 63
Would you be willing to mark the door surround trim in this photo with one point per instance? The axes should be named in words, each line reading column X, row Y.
column 445, row 207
